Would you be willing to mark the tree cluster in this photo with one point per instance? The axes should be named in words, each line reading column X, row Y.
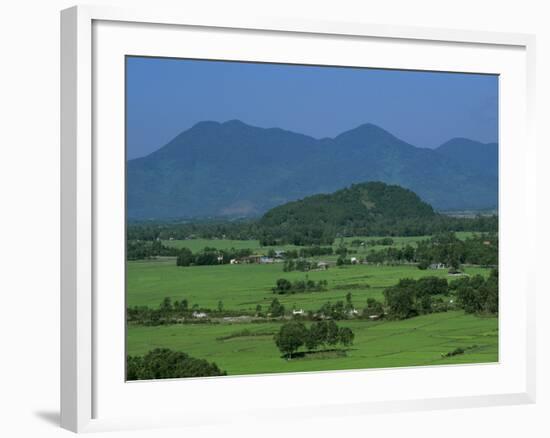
column 163, row 363
column 416, row 297
column 294, row 334
column 477, row 294
column 203, row 229
column 413, row 297
column 373, row 308
column 302, row 265
column 284, row 286
column 173, row 312
column 446, row 248
column 210, row 256
column 276, row 309
column 141, row 250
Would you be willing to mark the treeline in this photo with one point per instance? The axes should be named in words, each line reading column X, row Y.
column 210, row 256
column 167, row 312
column 309, row 230
column 163, row 363
column 284, row 286
column 141, row 250
column 338, row 310
column 294, row 334
column 310, row 251
column 310, row 234
column 302, row 265
column 446, row 248
column 214, row 229
column 303, row 235
column 181, row 312
column 173, row 312
column 443, row 248
column 411, row 298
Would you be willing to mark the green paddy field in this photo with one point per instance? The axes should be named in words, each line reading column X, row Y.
column 248, row 348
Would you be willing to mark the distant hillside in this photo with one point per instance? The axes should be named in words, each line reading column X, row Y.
column 235, row 170
column 473, row 156
column 372, row 208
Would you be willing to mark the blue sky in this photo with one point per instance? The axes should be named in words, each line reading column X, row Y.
column 167, row 96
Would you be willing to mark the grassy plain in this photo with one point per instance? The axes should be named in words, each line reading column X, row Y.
column 244, row 286
column 417, row 341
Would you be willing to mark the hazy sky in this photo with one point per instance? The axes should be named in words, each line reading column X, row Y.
column 168, row 96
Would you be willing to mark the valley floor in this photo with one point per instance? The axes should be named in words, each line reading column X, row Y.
column 249, row 348
column 416, row 341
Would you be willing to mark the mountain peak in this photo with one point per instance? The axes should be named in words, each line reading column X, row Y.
column 206, row 124
column 367, row 131
column 214, row 169
column 235, row 122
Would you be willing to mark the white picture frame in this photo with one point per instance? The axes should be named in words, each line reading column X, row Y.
column 92, row 41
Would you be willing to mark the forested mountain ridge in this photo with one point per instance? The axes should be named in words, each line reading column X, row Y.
column 232, row 169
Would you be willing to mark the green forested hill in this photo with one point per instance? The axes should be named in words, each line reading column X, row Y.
column 372, row 208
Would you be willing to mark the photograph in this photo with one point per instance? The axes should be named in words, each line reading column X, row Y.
column 288, row 218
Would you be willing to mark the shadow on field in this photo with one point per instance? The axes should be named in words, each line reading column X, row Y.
column 320, row 354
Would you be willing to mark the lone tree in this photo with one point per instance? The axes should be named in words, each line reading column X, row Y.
column 291, row 336
column 276, row 309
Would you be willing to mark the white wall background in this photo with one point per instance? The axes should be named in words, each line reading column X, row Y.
column 29, row 215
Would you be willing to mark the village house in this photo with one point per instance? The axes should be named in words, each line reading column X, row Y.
column 255, row 258
column 437, row 266
column 199, row 315
column 298, row 312
column 323, row 266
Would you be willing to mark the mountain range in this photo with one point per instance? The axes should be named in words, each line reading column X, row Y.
column 234, row 170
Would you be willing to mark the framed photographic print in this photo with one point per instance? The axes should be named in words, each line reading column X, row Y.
column 263, row 214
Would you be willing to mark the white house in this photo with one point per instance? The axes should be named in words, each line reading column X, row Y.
column 199, row 315
column 322, row 265
column 298, row 312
